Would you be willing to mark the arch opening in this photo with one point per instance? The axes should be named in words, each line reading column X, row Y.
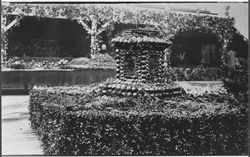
column 192, row 48
column 48, row 37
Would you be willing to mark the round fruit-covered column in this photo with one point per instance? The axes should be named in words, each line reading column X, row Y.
column 160, row 66
column 147, row 64
column 157, row 66
column 137, row 53
column 144, row 68
column 118, row 63
column 167, row 55
column 138, row 63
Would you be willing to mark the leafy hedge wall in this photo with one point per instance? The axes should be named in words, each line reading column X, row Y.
column 36, row 63
column 80, row 121
column 236, row 81
column 193, row 73
column 98, row 61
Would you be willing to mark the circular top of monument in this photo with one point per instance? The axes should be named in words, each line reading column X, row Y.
column 140, row 36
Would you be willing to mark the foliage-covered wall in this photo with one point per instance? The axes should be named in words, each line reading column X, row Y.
column 98, row 18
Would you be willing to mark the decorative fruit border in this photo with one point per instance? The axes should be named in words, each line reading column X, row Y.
column 135, row 89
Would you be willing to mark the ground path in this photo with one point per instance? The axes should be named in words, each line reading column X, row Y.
column 17, row 136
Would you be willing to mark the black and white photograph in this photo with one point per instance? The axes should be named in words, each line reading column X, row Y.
column 124, row 78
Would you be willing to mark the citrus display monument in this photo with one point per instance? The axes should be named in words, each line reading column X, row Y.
column 140, row 65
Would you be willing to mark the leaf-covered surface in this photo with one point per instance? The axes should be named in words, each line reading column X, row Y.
column 104, row 17
column 36, row 63
column 193, row 73
column 81, row 121
column 98, row 61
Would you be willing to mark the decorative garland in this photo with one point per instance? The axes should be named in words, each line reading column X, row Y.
column 103, row 18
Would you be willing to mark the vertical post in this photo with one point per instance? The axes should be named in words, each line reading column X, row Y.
column 225, row 56
column 94, row 38
column 94, row 45
column 4, row 40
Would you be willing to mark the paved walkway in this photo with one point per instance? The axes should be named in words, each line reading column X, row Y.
column 17, row 136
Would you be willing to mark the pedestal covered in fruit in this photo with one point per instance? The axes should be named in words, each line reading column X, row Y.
column 140, row 65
